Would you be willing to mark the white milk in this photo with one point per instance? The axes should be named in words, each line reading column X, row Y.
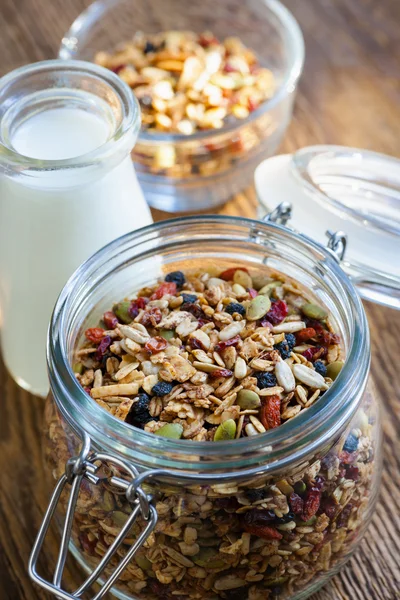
column 48, row 230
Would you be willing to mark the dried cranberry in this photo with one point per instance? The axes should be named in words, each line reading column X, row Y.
column 103, row 346
column 168, row 287
column 265, row 323
column 277, row 312
column 193, row 309
column 352, row 473
column 252, row 104
column 347, row 457
column 296, row 503
column 94, row 334
column 136, row 306
column 329, row 507
column 220, row 373
column 252, row 292
column 314, row 353
column 311, row 504
column 155, row 344
column 305, row 334
column 196, row 344
column 110, row 320
column 118, row 68
column 232, row 342
column 151, row 317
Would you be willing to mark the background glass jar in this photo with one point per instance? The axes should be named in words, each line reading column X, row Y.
column 315, row 478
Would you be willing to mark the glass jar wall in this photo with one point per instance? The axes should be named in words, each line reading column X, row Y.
column 272, row 516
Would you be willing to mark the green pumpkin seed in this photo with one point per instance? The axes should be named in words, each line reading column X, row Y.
column 119, row 518
column 300, row 487
column 226, row 431
column 170, row 430
column 309, row 522
column 143, row 562
column 258, row 307
column 313, row 311
column 207, row 557
column 243, row 279
column 121, row 311
column 333, row 369
column 167, row 334
column 247, row 399
column 78, row 368
column 260, row 281
column 269, row 287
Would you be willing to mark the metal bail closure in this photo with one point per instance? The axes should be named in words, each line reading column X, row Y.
column 86, row 466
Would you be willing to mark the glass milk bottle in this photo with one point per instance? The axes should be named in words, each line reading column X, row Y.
column 67, row 188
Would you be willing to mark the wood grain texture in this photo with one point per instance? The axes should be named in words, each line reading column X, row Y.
column 349, row 94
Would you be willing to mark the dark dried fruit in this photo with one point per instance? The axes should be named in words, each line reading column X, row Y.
column 235, row 307
column 164, row 289
column 311, row 504
column 94, row 334
column 296, row 504
column 151, row 317
column 176, row 277
column 265, row 380
column 329, row 507
column 351, row 443
column 191, row 298
column 136, row 306
column 162, row 388
column 314, row 353
column 155, row 344
column 232, row 342
column 259, row 516
column 343, row 517
column 220, row 373
column 352, row 472
column 255, row 495
column 139, row 414
column 285, row 348
column 149, row 47
column 277, row 312
column 193, row 309
column 270, row 413
column 326, row 338
column 103, row 347
column 110, row 320
column 320, row 368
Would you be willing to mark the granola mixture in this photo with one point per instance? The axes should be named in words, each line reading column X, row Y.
column 186, row 82
column 208, row 357
column 211, row 358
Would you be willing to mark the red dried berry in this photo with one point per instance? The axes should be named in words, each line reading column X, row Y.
column 252, row 292
column 265, row 323
column 151, row 317
column 87, row 545
column 103, row 347
column 229, row 68
column 264, row 531
column 155, row 344
column 305, row 334
column 196, row 344
column 326, row 338
column 352, row 472
column 136, row 306
column 94, row 334
column 232, row 342
column 277, row 312
column 110, row 320
column 168, row 287
column 314, row 353
column 194, row 309
column 228, row 274
column 311, row 504
column 329, row 507
column 270, row 414
column 296, row 504
column 343, row 517
column 220, row 373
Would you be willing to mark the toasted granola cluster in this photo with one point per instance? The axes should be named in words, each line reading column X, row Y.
column 210, row 358
column 186, row 82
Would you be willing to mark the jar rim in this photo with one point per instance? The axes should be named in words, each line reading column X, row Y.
column 129, row 125
column 309, row 429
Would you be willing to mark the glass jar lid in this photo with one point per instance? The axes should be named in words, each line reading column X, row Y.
column 357, row 192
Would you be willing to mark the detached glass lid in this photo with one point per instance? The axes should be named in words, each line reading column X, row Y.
column 325, row 189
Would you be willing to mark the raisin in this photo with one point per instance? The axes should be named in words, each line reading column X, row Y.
column 191, row 298
column 162, row 388
column 228, row 504
column 103, row 347
column 277, row 312
column 320, row 368
column 149, row 47
column 136, row 306
column 270, row 414
column 235, row 307
column 139, row 414
column 155, row 345
column 265, row 380
column 255, row 495
column 110, row 320
column 232, row 342
column 168, row 287
column 176, row 277
column 351, row 443
column 94, row 334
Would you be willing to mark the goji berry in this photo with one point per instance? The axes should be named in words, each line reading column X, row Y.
column 277, row 312
column 311, row 504
column 110, row 320
column 94, row 334
column 228, row 274
column 102, row 348
column 220, row 373
column 264, row 531
column 151, row 317
column 168, row 287
column 232, row 342
column 155, row 344
column 270, row 414
column 305, row 334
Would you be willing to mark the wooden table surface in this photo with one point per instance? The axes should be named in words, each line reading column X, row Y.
column 349, row 94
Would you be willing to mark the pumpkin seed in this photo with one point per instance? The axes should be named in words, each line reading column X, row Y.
column 167, row 334
column 334, row 369
column 207, row 557
column 313, row 311
column 121, row 310
column 226, row 431
column 170, row 430
column 258, row 307
column 267, row 289
column 119, row 518
column 243, row 279
column 143, row 562
column 78, row 368
column 248, row 399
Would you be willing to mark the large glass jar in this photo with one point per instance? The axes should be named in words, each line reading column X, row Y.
column 195, row 495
